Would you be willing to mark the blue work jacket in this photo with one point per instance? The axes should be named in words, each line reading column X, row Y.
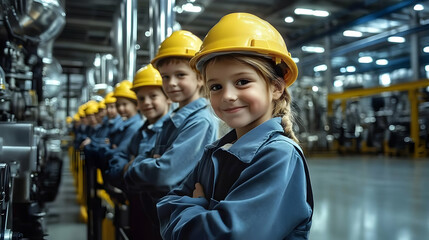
column 122, row 136
column 257, row 188
column 107, row 127
column 98, row 141
column 141, row 144
column 180, row 146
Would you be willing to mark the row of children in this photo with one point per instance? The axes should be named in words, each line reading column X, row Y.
column 184, row 182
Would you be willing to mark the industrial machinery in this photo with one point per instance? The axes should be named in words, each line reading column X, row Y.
column 30, row 164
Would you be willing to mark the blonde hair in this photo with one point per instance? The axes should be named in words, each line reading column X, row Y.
column 177, row 60
column 273, row 75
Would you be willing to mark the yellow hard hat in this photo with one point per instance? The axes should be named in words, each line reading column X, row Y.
column 123, row 89
column 147, row 76
column 179, row 44
column 81, row 110
column 101, row 105
column 246, row 33
column 109, row 98
column 69, row 119
column 76, row 117
column 92, row 107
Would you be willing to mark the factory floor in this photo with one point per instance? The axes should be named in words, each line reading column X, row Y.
column 356, row 198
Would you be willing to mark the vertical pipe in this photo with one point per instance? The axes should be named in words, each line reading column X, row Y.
column 68, row 95
column 119, row 42
column 130, row 37
column 414, row 51
column 161, row 17
column 328, row 74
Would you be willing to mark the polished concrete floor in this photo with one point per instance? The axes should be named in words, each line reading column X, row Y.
column 356, row 198
column 63, row 215
column 370, row 198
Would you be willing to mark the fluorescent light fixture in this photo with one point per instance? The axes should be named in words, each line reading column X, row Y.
column 338, row 83
column 427, row 68
column 313, row 49
column 418, row 7
column 352, row 33
column 366, row 59
column 52, row 82
column 350, row 69
column 320, row 68
column 343, row 70
column 311, row 12
column 315, row 88
column 396, row 39
column 382, row 62
column 385, row 79
column 289, row 19
column 296, row 60
column 189, row 7
column 426, row 49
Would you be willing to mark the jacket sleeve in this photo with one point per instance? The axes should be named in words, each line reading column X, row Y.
column 268, row 200
column 177, row 161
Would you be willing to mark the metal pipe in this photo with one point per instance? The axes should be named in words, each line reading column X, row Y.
column 130, row 38
column 161, row 18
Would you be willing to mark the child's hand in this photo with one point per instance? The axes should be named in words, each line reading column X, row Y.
column 127, row 165
column 198, row 191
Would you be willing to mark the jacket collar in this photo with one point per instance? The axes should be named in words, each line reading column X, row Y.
column 246, row 147
column 183, row 113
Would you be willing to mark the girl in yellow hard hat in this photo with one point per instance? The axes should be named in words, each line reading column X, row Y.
column 253, row 183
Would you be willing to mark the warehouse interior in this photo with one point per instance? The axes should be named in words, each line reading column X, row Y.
column 361, row 102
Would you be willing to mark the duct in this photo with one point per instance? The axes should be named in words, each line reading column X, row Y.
column 36, row 20
column 161, row 18
column 126, row 37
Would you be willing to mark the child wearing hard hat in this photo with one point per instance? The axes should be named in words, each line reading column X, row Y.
column 126, row 104
column 110, row 122
column 186, row 131
column 154, row 104
column 253, row 183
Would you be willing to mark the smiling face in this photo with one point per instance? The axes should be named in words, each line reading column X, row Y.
column 152, row 102
column 239, row 95
column 111, row 110
column 126, row 107
column 180, row 82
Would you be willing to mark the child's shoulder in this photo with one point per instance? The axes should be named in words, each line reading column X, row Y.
column 281, row 144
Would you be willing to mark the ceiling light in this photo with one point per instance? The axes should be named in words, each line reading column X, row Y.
column 418, row 7
column 289, row 19
column 426, row 49
column 343, row 70
column 311, row 12
column 381, row 62
column 296, row 60
column 352, row 33
column 427, row 68
column 320, row 68
column 313, row 49
column 189, row 7
column 315, row 88
column 396, row 39
column 351, row 69
column 338, row 83
column 365, row 59
column 385, row 79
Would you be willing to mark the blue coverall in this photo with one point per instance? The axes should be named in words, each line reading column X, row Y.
column 256, row 188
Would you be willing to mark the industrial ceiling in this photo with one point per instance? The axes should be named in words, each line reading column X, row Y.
column 89, row 30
